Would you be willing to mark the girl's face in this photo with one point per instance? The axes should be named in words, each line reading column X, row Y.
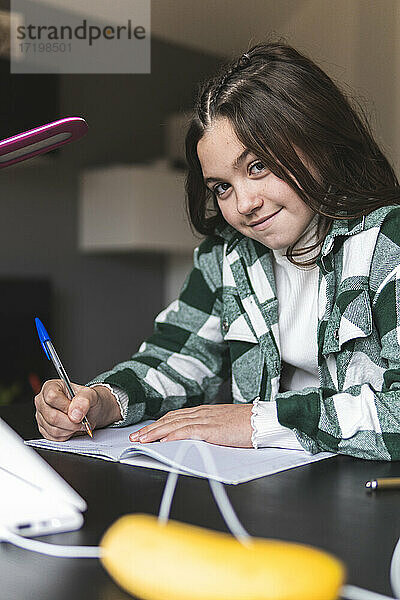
column 251, row 198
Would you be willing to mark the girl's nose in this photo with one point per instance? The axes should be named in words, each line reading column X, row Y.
column 247, row 202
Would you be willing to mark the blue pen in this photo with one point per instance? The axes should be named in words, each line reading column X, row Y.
column 52, row 355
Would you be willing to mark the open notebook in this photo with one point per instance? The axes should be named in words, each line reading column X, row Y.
column 232, row 465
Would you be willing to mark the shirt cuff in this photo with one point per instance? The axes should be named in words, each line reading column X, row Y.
column 267, row 431
column 121, row 398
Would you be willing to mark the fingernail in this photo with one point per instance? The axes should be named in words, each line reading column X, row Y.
column 143, row 438
column 76, row 415
column 133, row 437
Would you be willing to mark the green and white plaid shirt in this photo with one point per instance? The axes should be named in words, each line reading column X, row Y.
column 225, row 324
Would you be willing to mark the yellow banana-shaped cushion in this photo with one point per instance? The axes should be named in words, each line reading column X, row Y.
column 174, row 561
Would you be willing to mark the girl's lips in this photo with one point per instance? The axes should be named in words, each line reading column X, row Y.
column 265, row 222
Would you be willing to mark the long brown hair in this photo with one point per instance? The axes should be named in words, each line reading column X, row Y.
column 279, row 101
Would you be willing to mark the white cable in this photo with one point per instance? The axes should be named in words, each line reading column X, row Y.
column 352, row 592
column 395, row 570
column 218, row 491
column 50, row 549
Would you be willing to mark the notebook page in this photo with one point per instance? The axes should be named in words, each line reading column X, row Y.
column 142, row 460
column 232, row 465
column 108, row 443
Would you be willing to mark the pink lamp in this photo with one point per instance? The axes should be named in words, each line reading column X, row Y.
column 40, row 140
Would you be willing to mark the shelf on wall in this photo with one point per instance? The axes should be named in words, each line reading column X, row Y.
column 134, row 207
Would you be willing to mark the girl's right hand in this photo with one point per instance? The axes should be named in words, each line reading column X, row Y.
column 59, row 418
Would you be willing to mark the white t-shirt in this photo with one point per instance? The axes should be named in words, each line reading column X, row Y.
column 297, row 294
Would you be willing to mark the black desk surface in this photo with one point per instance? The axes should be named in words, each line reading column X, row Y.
column 323, row 504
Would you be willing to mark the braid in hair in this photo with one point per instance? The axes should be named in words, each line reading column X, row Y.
column 211, row 93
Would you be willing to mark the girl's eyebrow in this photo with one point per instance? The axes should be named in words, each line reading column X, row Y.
column 236, row 164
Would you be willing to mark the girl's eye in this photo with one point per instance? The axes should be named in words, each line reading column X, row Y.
column 257, row 168
column 220, row 188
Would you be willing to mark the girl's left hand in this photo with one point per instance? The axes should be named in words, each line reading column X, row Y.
column 222, row 424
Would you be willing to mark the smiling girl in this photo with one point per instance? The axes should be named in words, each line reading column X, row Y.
column 294, row 294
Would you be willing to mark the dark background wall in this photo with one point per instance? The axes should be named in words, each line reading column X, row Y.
column 102, row 305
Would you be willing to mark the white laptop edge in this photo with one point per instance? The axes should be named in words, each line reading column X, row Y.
column 34, row 499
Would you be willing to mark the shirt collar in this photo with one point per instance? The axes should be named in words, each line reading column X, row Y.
column 348, row 227
column 230, row 235
column 342, row 227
